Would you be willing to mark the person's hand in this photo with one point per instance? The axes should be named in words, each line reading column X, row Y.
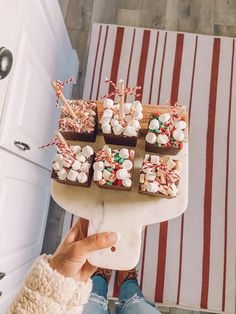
column 70, row 259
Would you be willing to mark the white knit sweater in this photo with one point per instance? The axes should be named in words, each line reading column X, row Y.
column 45, row 291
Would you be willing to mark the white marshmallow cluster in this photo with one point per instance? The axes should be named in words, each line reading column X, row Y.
column 110, row 118
column 163, row 139
column 78, row 170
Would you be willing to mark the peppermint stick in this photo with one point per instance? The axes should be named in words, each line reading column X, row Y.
column 61, row 139
column 122, row 99
column 65, row 102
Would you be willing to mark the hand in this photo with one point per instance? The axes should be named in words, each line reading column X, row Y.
column 70, row 259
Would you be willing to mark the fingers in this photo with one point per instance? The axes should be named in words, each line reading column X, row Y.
column 77, row 232
column 96, row 242
column 87, row 271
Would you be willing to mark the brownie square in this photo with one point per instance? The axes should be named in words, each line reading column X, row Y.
column 76, row 171
column 86, row 128
column 159, row 176
column 124, row 131
column 166, row 133
column 113, row 169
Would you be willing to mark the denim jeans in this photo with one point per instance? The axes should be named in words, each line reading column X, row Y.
column 130, row 301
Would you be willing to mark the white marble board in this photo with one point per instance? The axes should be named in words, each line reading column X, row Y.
column 121, row 211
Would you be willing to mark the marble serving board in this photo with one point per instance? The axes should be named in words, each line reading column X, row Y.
column 124, row 212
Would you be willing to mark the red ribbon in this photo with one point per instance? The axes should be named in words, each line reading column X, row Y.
column 62, row 149
column 60, row 86
column 127, row 91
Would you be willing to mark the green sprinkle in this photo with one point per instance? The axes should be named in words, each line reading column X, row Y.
column 117, row 157
column 166, row 127
column 150, row 130
column 108, row 183
column 109, row 169
column 160, row 123
column 121, row 161
column 158, row 145
column 172, row 138
column 157, row 131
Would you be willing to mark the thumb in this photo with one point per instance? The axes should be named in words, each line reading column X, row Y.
column 97, row 241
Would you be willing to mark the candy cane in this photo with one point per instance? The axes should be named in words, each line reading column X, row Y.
column 60, row 85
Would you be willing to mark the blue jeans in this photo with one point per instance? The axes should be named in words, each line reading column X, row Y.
column 130, row 301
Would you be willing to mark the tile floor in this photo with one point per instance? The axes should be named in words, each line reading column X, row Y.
column 200, row 16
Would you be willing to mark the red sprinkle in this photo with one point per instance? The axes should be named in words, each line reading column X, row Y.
column 119, row 182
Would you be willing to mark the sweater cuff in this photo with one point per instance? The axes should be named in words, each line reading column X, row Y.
column 48, row 283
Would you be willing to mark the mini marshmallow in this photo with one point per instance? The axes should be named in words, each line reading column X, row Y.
column 147, row 170
column 97, row 175
column 151, row 138
column 150, row 176
column 124, row 153
column 164, row 117
column 137, row 105
column 62, row 174
column 138, row 115
column 178, row 135
column 127, row 164
column 107, row 149
column 98, row 166
column 76, row 165
column 118, row 129
column 59, row 157
column 72, row 175
column 66, row 164
column 154, row 124
column 136, row 125
column 57, row 165
column 91, row 112
column 80, row 157
column 107, row 164
column 105, row 119
column 127, row 107
column 130, row 131
column 127, row 182
column 75, row 149
column 122, row 174
column 155, row 159
column 162, row 139
column 170, row 164
column 142, row 178
column 128, row 118
column 87, row 151
column 146, row 157
column 107, row 113
column 108, row 103
column 152, row 188
column 82, row 177
column 85, row 167
column 106, row 174
column 106, row 128
column 114, row 122
column 180, row 125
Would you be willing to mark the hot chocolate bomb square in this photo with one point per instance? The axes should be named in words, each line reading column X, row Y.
column 75, row 168
column 121, row 131
column 160, row 176
column 166, row 133
column 84, row 125
column 113, row 169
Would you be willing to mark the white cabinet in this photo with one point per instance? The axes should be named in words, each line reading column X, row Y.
column 35, row 33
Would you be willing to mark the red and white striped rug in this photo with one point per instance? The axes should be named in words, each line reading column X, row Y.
column 189, row 261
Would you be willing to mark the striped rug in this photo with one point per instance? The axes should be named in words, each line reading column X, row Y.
column 189, row 261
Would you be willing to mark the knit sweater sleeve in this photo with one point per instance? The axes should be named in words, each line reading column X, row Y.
column 47, row 291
